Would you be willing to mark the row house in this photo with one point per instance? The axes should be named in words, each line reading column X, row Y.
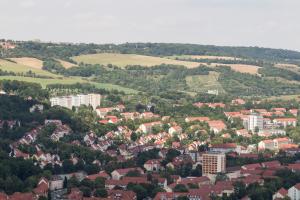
column 238, row 101
column 130, row 115
column 30, row 137
column 284, row 122
column 224, row 148
column 60, row 132
column 200, row 119
column 274, row 145
column 102, row 112
column 210, row 105
column 149, row 115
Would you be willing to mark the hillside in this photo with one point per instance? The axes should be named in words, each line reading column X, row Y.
column 157, row 68
column 19, row 67
column 122, row 60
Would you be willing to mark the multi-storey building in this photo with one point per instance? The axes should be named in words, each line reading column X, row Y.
column 213, row 163
column 77, row 100
column 254, row 121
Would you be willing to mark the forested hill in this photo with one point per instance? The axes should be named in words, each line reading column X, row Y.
column 164, row 49
column 65, row 51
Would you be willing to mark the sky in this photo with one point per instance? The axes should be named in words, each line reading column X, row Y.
column 264, row 23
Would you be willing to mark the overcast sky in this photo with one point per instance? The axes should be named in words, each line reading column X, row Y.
column 266, row 23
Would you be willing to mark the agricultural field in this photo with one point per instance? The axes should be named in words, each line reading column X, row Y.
column 243, row 68
column 68, row 80
column 66, row 64
column 291, row 67
column 202, row 83
column 250, row 69
column 20, row 68
column 203, row 57
column 30, row 62
column 122, row 60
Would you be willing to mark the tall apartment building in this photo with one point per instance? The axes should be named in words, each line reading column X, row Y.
column 254, row 121
column 213, row 163
column 77, row 100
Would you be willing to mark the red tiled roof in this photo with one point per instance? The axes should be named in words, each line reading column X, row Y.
column 168, row 195
column 22, row 196
column 286, row 119
column 224, row 146
column 101, row 174
column 297, row 186
column 126, row 170
column 271, row 164
column 3, row 196
column 295, row 166
column 121, row 194
column 153, row 161
column 282, row 191
column 251, row 166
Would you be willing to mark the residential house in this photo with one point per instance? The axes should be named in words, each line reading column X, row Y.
column 294, row 192
column 42, row 188
column 224, row 148
column 153, row 165
column 280, row 194
column 294, row 112
column 56, row 183
column 175, row 130
column 119, row 173
column 147, row 127
column 216, row 125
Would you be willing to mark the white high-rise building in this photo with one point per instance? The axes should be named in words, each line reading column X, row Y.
column 254, row 121
column 77, row 100
column 94, row 100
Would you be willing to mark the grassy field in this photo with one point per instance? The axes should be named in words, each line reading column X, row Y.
column 30, row 62
column 19, row 68
column 68, row 80
column 203, row 57
column 123, row 60
column 202, row 83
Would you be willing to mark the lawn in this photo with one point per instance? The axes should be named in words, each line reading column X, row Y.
column 203, row 83
column 68, row 80
column 123, row 60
